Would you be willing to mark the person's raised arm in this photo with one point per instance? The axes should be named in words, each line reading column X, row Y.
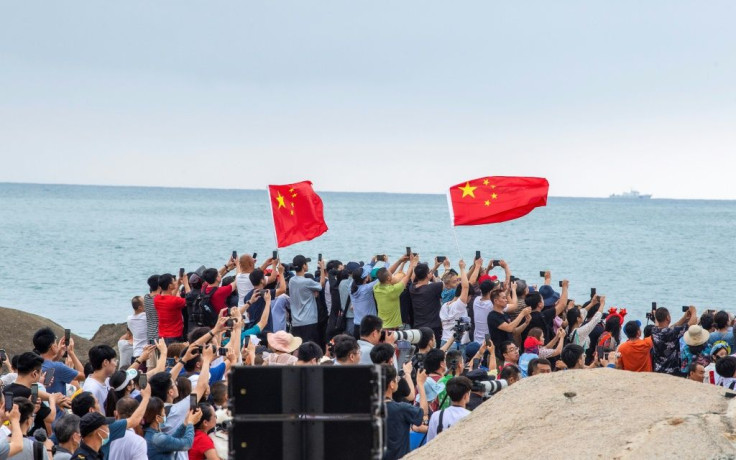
column 548, row 277
column 407, row 368
column 400, row 261
column 322, row 273
column 506, row 269
column 265, row 264
column 513, row 304
column 562, row 301
column 523, row 325
column 448, row 344
column 421, row 378
column 690, row 317
column 464, row 284
column 185, row 281
column 231, row 263
column 16, row 435
column 266, row 310
column 509, row 327
column 475, row 271
column 204, row 375
column 161, row 362
column 281, row 287
column 136, row 417
column 78, row 366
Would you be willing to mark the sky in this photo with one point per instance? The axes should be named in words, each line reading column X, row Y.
column 410, row 96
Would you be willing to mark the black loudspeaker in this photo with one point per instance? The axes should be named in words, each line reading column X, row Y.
column 306, row 412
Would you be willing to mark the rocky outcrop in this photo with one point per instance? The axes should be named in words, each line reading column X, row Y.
column 17, row 329
column 601, row 413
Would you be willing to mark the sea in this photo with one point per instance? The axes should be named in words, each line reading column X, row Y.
column 79, row 254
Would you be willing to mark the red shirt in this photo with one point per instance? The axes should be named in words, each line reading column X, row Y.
column 170, row 322
column 219, row 298
column 202, row 443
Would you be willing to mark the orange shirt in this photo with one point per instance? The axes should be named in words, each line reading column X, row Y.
column 635, row 355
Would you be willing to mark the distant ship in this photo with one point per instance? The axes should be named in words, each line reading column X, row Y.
column 632, row 195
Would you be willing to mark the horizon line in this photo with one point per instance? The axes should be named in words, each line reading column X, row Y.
column 320, row 191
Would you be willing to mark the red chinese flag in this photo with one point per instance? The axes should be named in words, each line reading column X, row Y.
column 490, row 200
column 297, row 213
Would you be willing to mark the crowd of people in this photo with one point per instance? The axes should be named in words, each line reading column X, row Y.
column 446, row 340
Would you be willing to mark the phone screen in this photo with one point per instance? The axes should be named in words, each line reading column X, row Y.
column 34, row 393
column 477, row 255
column 181, row 273
column 192, row 401
column 275, row 255
column 143, row 381
column 8, row 401
column 49, row 377
column 488, row 340
column 601, row 352
column 408, row 251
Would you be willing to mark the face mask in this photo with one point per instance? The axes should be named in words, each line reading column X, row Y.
column 163, row 421
column 104, row 440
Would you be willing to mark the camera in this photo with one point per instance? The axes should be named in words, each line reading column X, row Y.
column 495, row 263
column 462, row 325
column 230, row 323
column 489, row 388
column 560, row 283
column 685, row 308
column 222, row 351
column 412, row 336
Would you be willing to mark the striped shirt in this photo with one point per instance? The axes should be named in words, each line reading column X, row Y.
column 151, row 317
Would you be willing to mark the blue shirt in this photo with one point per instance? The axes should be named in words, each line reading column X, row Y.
column 63, row 374
column 278, row 312
column 117, row 431
column 363, row 301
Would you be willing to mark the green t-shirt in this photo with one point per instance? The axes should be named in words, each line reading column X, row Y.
column 387, row 302
column 441, row 399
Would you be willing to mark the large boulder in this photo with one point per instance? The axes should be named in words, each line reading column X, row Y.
column 601, row 413
column 17, row 329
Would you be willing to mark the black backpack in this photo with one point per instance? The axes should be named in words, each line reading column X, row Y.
column 202, row 312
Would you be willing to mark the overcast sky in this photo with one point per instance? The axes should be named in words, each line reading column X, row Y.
column 407, row 96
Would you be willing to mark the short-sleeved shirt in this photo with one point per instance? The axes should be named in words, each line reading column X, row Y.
column 727, row 337
column 98, row 390
column 279, row 306
column 481, row 308
column 498, row 336
column 387, row 302
column 219, row 298
column 449, row 314
column 129, row 447
column 137, row 326
column 255, row 311
column 425, row 301
column 242, row 281
column 399, row 419
column 666, row 354
column 202, row 443
column 303, row 304
column 635, row 355
column 363, row 302
column 27, row 452
column 170, row 321
column 63, row 375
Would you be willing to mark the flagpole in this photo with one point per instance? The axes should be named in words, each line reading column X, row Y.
column 452, row 224
column 273, row 224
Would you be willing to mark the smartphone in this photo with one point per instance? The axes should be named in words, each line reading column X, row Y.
column 235, row 255
column 495, row 263
column 8, row 401
column 49, row 377
column 275, row 255
column 592, row 292
column 34, row 393
column 408, row 251
column 143, row 381
column 441, row 259
column 319, row 257
column 477, row 255
column 560, row 283
column 654, row 306
column 476, row 363
column 151, row 341
column 488, row 340
column 199, row 349
column 542, row 273
column 181, row 273
column 192, row 401
column 255, row 255
column 67, row 339
column 222, row 351
column 601, row 351
column 3, row 356
column 685, row 308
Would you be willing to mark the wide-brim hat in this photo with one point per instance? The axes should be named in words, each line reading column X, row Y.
column 283, row 341
column 696, row 335
column 549, row 295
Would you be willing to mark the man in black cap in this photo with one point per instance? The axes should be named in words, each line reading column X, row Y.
column 95, row 434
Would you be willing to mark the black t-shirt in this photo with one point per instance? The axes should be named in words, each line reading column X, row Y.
column 426, row 301
column 543, row 320
column 255, row 311
column 25, row 392
column 402, row 391
column 407, row 310
column 498, row 336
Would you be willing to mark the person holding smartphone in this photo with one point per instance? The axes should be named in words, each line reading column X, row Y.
column 12, row 445
column 51, row 350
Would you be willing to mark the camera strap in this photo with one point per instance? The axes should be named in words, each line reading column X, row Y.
column 439, row 424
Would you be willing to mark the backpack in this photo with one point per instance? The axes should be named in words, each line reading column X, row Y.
column 202, row 312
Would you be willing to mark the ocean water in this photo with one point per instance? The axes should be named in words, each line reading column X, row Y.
column 78, row 254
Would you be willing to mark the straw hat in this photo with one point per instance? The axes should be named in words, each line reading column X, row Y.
column 283, row 341
column 696, row 335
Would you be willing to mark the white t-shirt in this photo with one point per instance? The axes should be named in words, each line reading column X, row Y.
column 450, row 312
column 242, row 281
column 129, row 447
column 137, row 325
column 451, row 416
column 126, row 353
column 98, row 390
column 481, row 309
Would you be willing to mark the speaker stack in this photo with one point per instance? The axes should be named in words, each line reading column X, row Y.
column 306, row 412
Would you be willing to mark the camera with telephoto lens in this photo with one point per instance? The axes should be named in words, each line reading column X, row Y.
column 489, row 387
column 412, row 336
column 462, row 325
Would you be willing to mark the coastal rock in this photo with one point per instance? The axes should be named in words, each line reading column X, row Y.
column 614, row 414
column 17, row 329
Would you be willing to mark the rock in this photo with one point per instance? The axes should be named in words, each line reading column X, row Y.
column 17, row 329
column 614, row 414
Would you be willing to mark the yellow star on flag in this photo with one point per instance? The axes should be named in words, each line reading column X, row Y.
column 485, row 182
column 487, row 203
column 292, row 212
column 494, row 196
column 468, row 190
column 493, row 186
column 280, row 199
